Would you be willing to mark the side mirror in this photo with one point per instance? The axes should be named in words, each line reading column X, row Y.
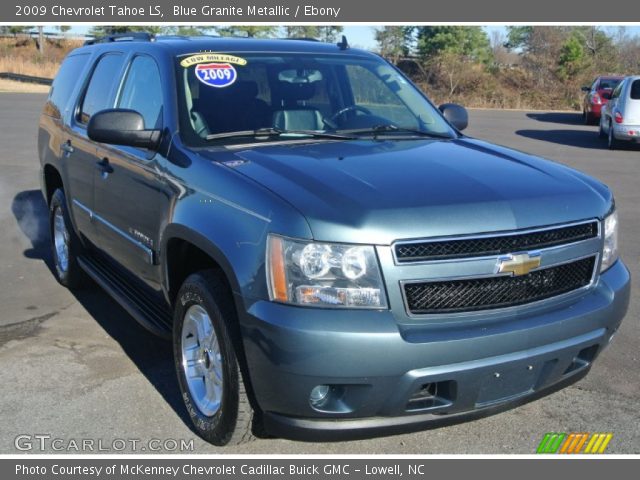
column 585, row 89
column 455, row 114
column 606, row 95
column 119, row 126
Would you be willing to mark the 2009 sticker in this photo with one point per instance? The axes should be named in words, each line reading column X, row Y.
column 217, row 75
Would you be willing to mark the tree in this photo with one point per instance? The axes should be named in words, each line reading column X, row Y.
column 17, row 29
column 471, row 43
column 302, row 31
column 248, row 31
column 539, row 48
column 498, row 48
column 518, row 37
column 105, row 30
column 188, row 30
column 329, row 33
column 63, row 28
column 571, row 59
column 41, row 40
column 394, row 42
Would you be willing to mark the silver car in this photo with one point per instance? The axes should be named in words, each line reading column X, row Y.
column 620, row 118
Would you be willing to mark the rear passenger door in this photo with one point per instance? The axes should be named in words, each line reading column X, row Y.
column 78, row 153
column 130, row 194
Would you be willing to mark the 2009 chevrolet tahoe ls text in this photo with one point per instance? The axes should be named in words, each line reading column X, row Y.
column 331, row 256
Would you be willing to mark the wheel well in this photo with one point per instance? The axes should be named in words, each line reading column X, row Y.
column 183, row 259
column 52, row 181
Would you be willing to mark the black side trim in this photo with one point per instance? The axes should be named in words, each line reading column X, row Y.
column 152, row 315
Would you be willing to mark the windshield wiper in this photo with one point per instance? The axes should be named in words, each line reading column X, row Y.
column 387, row 128
column 277, row 132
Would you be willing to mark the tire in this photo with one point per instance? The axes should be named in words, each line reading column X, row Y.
column 612, row 143
column 601, row 133
column 65, row 245
column 206, row 363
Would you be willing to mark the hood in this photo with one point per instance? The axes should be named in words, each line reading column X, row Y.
column 378, row 191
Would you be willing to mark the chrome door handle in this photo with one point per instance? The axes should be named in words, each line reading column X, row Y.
column 67, row 148
column 104, row 166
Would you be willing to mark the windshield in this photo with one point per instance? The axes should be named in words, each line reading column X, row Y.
column 267, row 96
column 609, row 83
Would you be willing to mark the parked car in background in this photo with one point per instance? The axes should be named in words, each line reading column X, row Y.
column 620, row 119
column 598, row 94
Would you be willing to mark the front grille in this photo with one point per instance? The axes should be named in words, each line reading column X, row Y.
column 494, row 245
column 497, row 292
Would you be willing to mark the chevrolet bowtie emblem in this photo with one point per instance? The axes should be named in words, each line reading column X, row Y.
column 519, row 264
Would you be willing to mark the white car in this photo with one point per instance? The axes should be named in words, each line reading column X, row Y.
column 620, row 117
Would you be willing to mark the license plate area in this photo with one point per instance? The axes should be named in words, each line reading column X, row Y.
column 507, row 383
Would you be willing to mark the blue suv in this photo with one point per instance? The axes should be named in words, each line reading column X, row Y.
column 331, row 257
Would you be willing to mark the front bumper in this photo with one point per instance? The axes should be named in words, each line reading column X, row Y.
column 376, row 365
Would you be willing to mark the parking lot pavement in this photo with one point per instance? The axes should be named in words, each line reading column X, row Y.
column 76, row 366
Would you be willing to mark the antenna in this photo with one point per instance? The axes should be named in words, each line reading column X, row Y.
column 343, row 44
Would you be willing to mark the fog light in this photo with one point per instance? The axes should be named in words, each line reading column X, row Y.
column 319, row 395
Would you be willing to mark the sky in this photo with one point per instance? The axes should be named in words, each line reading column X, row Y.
column 363, row 36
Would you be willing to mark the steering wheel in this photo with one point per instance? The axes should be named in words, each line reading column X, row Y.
column 331, row 121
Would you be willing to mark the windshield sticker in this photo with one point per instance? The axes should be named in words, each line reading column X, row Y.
column 212, row 57
column 219, row 75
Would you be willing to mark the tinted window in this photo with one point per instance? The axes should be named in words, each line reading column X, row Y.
column 142, row 91
column 294, row 92
column 376, row 96
column 635, row 90
column 63, row 84
column 609, row 83
column 616, row 92
column 98, row 93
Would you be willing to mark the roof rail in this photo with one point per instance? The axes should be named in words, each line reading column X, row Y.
column 122, row 37
column 304, row 39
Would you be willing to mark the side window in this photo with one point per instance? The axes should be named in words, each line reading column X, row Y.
column 97, row 95
column 616, row 92
column 142, row 91
column 64, row 83
column 635, row 90
column 371, row 92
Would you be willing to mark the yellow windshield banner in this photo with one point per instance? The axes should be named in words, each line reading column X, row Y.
column 212, row 57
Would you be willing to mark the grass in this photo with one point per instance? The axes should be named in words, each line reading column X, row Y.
column 21, row 55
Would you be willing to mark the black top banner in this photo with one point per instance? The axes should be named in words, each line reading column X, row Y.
column 311, row 11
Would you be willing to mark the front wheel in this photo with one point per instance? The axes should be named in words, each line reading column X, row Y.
column 601, row 132
column 206, row 363
column 65, row 245
column 612, row 142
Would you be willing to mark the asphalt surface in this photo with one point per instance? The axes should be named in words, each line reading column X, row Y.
column 77, row 367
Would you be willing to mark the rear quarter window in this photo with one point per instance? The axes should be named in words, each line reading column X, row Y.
column 64, row 84
column 634, row 92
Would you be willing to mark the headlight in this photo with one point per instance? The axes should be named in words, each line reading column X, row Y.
column 324, row 274
column 610, row 251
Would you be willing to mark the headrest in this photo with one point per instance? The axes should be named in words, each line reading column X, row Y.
column 293, row 92
column 246, row 88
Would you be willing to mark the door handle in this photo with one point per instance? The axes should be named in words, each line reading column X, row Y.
column 104, row 166
column 67, row 148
